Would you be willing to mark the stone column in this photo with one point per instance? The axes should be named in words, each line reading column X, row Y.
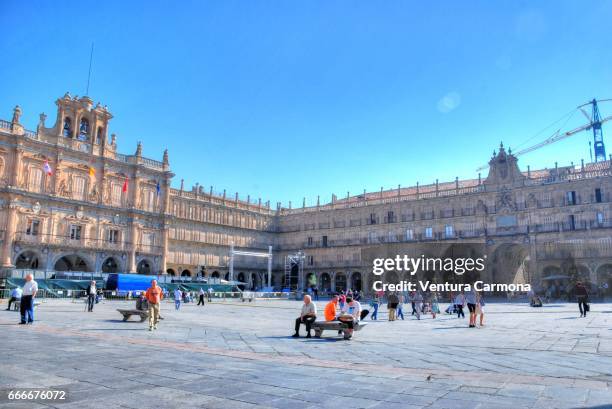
column 9, row 234
column 14, row 180
column 131, row 267
column 164, row 248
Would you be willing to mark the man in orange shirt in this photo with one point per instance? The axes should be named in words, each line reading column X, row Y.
column 331, row 309
column 154, row 296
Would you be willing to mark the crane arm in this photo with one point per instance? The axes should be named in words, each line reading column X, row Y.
column 557, row 136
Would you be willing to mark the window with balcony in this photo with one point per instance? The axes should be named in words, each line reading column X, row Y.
column 428, row 232
column 75, row 232
column 449, row 231
column 310, row 241
column 571, row 197
column 409, row 234
column 113, row 236
column 324, row 241
column 310, row 260
column 116, row 192
column 390, row 217
column 79, row 188
column 35, row 180
column 372, row 218
column 600, row 218
column 598, row 195
column 33, row 227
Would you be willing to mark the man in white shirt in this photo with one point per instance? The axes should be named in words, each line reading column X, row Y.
column 178, row 296
column 351, row 313
column 210, row 292
column 30, row 288
column 91, row 295
column 201, row 298
column 307, row 316
column 15, row 296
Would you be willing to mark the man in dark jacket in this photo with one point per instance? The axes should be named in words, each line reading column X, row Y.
column 583, row 297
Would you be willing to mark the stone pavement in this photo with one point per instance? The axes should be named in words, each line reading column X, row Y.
column 234, row 355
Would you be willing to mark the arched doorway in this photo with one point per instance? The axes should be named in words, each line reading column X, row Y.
column 241, row 278
column 554, row 280
column 171, row 272
column 71, row 262
column 604, row 279
column 144, row 267
column 256, row 281
column 28, row 260
column 340, row 282
column 215, row 274
column 311, row 280
column 356, row 283
column 110, row 265
column 509, row 264
column 185, row 273
column 325, row 282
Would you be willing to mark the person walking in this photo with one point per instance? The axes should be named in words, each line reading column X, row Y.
column 91, row 296
column 30, row 289
column 178, row 296
column 480, row 307
column 435, row 307
column 459, row 302
column 411, row 298
column 375, row 304
column 15, row 296
column 392, row 301
column 418, row 303
column 470, row 299
column 154, row 296
column 201, row 297
column 400, row 306
column 582, row 297
column 210, row 293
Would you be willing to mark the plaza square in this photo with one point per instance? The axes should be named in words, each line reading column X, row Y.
column 230, row 354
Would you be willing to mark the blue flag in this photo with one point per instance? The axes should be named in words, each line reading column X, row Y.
column 158, row 188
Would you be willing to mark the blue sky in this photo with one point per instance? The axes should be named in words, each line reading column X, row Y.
column 285, row 100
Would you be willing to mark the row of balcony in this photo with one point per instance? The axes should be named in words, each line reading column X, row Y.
column 430, row 215
column 557, row 227
column 83, row 242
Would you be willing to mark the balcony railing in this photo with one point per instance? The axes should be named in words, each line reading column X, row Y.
column 83, row 242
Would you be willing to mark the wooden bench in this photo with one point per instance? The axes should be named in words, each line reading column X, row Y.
column 17, row 304
column 128, row 313
column 320, row 326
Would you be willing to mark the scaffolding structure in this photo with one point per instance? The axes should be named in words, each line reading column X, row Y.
column 267, row 255
column 291, row 261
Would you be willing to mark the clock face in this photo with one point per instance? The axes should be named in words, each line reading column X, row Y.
column 36, row 207
column 79, row 214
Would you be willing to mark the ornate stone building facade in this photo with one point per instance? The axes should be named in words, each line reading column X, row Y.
column 71, row 201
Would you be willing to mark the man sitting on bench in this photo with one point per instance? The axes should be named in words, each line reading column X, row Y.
column 351, row 313
column 307, row 317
